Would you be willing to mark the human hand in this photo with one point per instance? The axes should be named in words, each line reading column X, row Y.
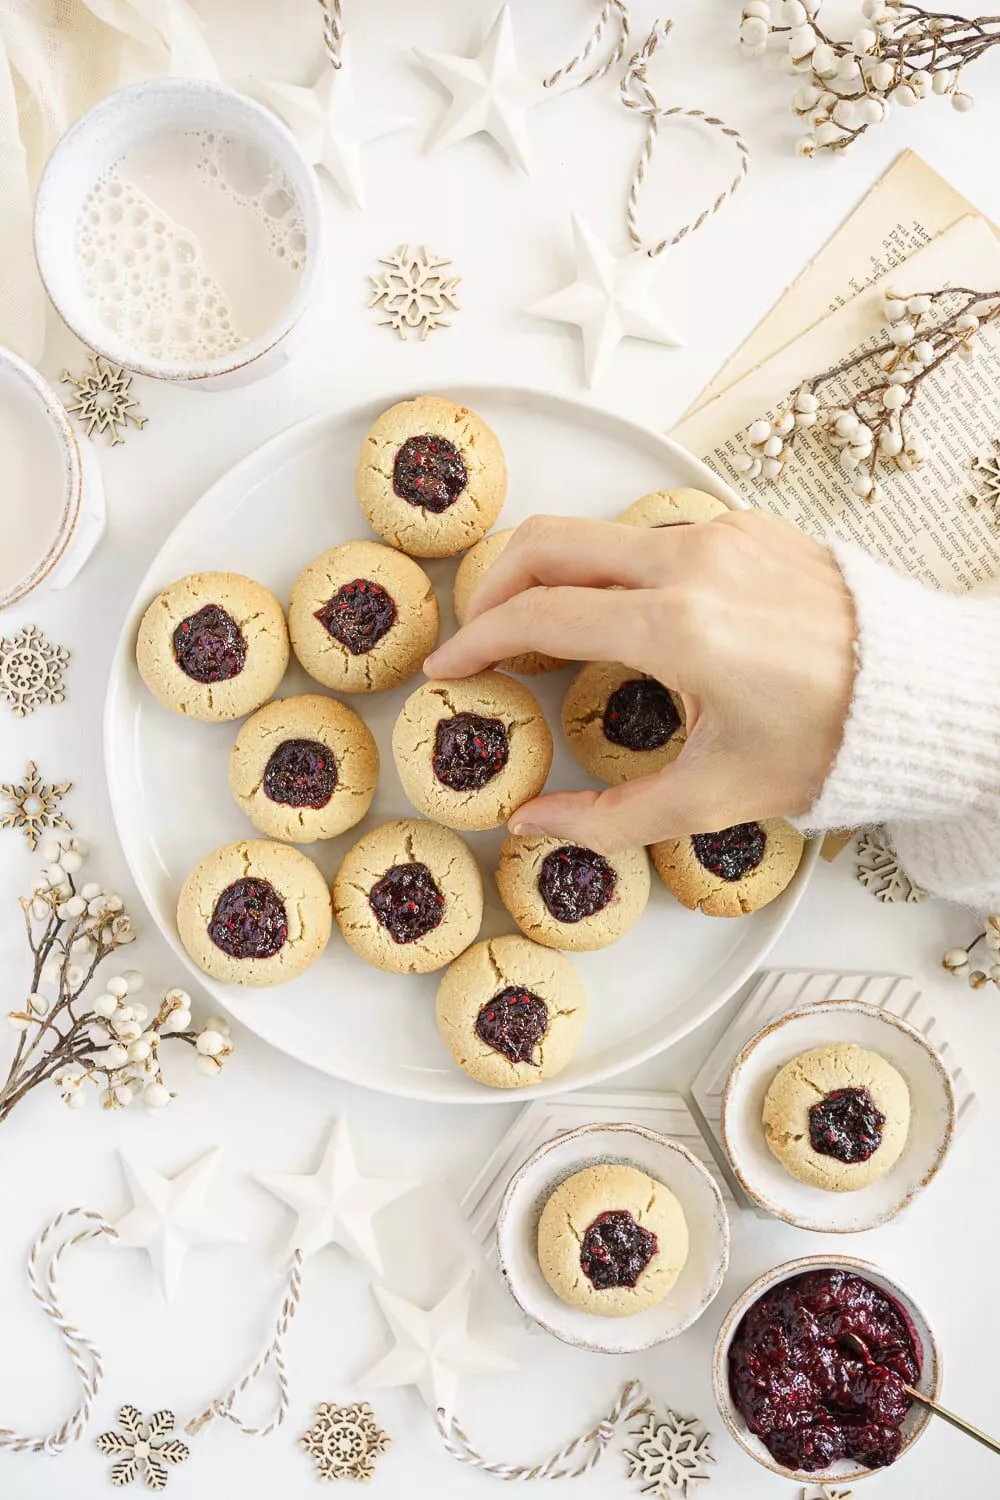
column 747, row 619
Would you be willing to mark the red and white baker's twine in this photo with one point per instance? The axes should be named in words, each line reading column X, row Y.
column 43, row 1278
column 630, row 1404
column 273, row 1354
column 637, row 95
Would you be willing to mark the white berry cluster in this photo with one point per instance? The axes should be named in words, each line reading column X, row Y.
column 986, row 970
column 872, row 429
column 849, row 86
column 110, row 1042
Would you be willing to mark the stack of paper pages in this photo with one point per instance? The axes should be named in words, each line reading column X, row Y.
column 915, row 232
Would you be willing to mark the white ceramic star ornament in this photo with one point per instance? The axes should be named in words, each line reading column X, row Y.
column 434, row 1349
column 169, row 1217
column 330, row 125
column 335, row 1204
column 489, row 92
column 608, row 301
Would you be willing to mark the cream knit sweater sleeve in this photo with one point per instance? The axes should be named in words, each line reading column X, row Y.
column 921, row 746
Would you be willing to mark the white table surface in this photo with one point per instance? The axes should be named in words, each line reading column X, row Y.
column 510, row 240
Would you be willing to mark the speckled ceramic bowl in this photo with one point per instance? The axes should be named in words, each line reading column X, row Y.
column 78, row 508
column 670, row 1163
column 929, row 1383
column 932, row 1116
column 100, row 138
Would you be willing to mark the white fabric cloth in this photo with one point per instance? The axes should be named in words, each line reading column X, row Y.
column 921, row 746
column 57, row 58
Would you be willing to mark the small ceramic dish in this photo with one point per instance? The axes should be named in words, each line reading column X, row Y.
column 670, row 1163
column 917, row 1417
column 932, row 1116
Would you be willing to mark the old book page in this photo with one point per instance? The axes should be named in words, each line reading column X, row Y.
column 907, row 208
column 925, row 524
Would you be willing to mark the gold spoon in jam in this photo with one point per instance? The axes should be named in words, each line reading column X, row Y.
column 861, row 1348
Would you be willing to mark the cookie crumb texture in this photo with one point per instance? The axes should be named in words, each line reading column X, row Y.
column 672, row 508
column 460, row 772
column 213, row 646
column 568, row 897
column 254, row 913
column 362, row 618
column 573, row 1225
column 809, row 1080
column 304, row 768
column 511, row 1013
column 471, row 572
column 733, row 872
column 431, row 477
column 620, row 723
column 408, row 897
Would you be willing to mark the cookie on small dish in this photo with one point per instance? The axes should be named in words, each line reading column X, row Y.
column 471, row 571
column 362, row 618
column 510, row 1012
column 254, row 913
column 621, row 724
column 470, row 751
column 732, row 872
column 213, row 646
column 304, row 768
column 837, row 1116
column 408, row 897
column 569, row 897
column 431, row 477
column 612, row 1240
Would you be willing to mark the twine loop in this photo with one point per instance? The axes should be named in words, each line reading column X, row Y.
column 636, row 94
column 613, row 10
column 43, row 1279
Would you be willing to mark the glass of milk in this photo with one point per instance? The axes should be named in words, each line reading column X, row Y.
column 51, row 497
column 178, row 231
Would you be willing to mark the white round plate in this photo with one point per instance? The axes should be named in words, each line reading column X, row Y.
column 932, row 1116
column 167, row 776
column 659, row 1157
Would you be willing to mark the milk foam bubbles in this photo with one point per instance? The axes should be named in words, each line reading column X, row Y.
column 190, row 246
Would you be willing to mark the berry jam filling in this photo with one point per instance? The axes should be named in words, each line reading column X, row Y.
column 575, row 883
column 469, row 751
column 808, row 1395
column 641, row 715
column 616, row 1250
column 358, row 615
column 513, row 1023
column 249, row 920
column 429, row 471
column 847, row 1125
column 732, row 852
column 407, row 902
column 210, row 646
column 301, row 773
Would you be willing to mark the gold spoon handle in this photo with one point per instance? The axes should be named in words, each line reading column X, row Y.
column 949, row 1416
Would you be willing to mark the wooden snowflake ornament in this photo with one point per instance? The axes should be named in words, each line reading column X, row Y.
column 141, row 1453
column 34, row 806
column 880, row 872
column 345, row 1442
column 104, row 401
column 671, row 1456
column 986, row 472
column 31, row 671
column 821, row 1492
column 414, row 292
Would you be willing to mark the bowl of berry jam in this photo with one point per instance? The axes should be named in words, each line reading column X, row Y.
column 844, row 1132
column 801, row 1398
column 667, row 1162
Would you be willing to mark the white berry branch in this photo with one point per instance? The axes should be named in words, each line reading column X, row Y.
column 900, row 54
column 870, row 427
column 110, row 1041
column 960, row 961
